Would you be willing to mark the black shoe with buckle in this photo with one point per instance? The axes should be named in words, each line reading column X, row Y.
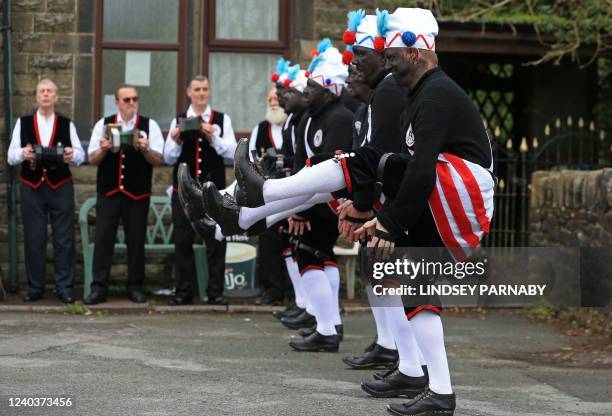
column 190, row 194
column 289, row 312
column 249, row 178
column 372, row 345
column 137, row 296
column 303, row 320
column 379, row 357
column 427, row 403
column 395, row 384
column 316, row 342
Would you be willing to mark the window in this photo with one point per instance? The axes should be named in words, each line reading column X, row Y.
column 135, row 46
column 243, row 41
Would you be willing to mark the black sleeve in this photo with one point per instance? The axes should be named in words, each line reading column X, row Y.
column 287, row 148
column 387, row 105
column 299, row 160
column 339, row 134
column 429, row 125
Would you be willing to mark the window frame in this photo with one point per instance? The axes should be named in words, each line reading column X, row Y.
column 101, row 45
column 212, row 44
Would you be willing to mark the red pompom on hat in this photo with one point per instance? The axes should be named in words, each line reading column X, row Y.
column 314, row 53
column 379, row 44
column 287, row 82
column 347, row 57
column 307, row 74
column 349, row 37
column 274, row 77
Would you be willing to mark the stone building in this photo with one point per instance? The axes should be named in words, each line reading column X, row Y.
column 89, row 46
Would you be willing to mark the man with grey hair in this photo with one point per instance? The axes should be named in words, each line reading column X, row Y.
column 202, row 148
column 47, row 192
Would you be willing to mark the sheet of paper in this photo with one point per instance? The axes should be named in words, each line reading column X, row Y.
column 109, row 105
column 138, row 68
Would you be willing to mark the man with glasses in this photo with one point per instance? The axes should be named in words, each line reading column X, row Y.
column 124, row 186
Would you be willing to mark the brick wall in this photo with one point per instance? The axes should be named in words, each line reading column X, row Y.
column 571, row 208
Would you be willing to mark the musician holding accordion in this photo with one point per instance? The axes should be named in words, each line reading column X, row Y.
column 45, row 144
column 125, row 146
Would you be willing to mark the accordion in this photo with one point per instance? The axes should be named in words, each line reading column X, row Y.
column 121, row 139
column 50, row 157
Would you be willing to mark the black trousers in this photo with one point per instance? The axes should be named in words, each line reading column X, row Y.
column 110, row 210
column 271, row 269
column 184, row 237
column 38, row 206
column 322, row 237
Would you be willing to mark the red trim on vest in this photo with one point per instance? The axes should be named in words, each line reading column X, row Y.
column 330, row 263
column 308, row 162
column 421, row 308
column 120, row 182
column 44, row 177
column 311, row 267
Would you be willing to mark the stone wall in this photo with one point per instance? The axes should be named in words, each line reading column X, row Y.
column 571, row 208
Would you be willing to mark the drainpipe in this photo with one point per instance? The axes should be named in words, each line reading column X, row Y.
column 8, row 126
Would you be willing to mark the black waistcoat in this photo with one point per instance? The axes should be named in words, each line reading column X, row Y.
column 126, row 171
column 203, row 161
column 30, row 135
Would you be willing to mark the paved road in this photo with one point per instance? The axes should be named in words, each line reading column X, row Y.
column 224, row 364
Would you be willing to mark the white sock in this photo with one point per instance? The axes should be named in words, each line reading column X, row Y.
column 296, row 280
column 321, row 298
column 384, row 338
column 325, row 177
column 218, row 234
column 249, row 216
column 333, row 276
column 404, row 338
column 429, row 334
column 316, row 199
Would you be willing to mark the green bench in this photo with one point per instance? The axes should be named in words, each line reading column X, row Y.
column 159, row 240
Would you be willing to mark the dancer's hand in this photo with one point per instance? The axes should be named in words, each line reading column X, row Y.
column 380, row 248
column 346, row 227
column 298, row 225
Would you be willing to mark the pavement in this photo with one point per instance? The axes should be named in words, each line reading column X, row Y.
column 158, row 363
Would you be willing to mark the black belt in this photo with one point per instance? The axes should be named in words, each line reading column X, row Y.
column 316, row 252
column 380, row 175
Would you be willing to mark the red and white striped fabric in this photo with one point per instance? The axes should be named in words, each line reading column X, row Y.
column 461, row 204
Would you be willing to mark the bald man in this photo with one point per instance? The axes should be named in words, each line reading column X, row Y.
column 47, row 192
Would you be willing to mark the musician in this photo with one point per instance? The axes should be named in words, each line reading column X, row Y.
column 47, row 192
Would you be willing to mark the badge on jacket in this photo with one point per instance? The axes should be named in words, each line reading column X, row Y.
column 410, row 137
column 358, row 127
column 318, row 138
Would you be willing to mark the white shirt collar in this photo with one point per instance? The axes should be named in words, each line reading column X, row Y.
column 129, row 125
column 42, row 117
column 205, row 115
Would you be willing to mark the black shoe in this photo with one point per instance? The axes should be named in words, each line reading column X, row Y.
column 316, row 342
column 65, row 298
column 303, row 320
column 136, row 296
column 180, row 301
column 205, row 228
column 190, row 194
column 372, row 345
column 379, row 357
column 289, row 312
column 217, row 300
column 32, row 297
column 426, row 403
column 386, row 373
column 306, row 332
column 395, row 385
column 95, row 297
column 249, row 179
column 222, row 209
